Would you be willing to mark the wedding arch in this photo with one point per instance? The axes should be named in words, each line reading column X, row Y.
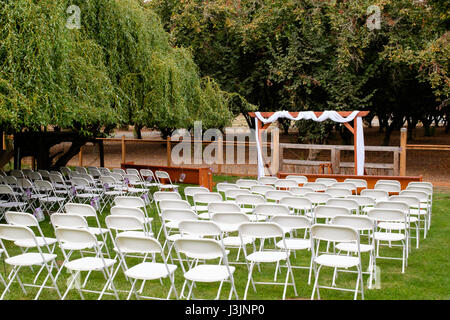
column 264, row 119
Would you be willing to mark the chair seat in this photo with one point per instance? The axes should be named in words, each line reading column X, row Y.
column 266, row 256
column 209, row 273
column 417, row 212
column 31, row 244
column 385, row 236
column 89, row 263
column 52, row 199
column 351, row 247
column 204, row 215
column 12, row 204
column 200, row 208
column 78, row 246
column 150, row 271
column 254, row 217
column 294, row 244
column 332, row 260
column 30, row 259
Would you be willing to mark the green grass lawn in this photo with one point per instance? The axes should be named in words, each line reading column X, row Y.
column 426, row 276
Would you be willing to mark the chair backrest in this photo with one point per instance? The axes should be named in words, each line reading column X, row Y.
column 145, row 173
column 334, row 233
column 223, row 186
column 174, row 204
column 402, row 206
column 277, row 195
column 44, row 173
column 360, row 223
column 80, row 209
column 178, row 215
column 65, row 171
column 133, row 171
column 377, row 195
column 226, row 218
column 246, row 183
column 296, row 202
column 207, row 197
column 423, row 196
column 191, row 191
column 231, row 194
column 326, row 181
column 43, row 185
column 138, row 244
column 68, row 220
column 285, row 184
column 17, row 173
column 11, row 232
column 124, row 223
column 129, row 201
column 24, row 183
column 292, row 222
column 21, row 219
column 206, row 249
column 271, row 209
column 78, row 181
column 249, row 199
column 346, row 203
column 362, row 200
column 80, row 169
column 267, row 180
column 300, row 191
column 420, row 183
column 119, row 171
column 359, row 183
column 76, row 235
column 338, row 192
column 166, row 195
column 345, row 185
column 159, row 174
column 261, row 189
column 200, row 228
column 109, row 180
column 117, row 176
column 387, row 215
column 260, row 230
column 128, row 211
column 389, row 187
column 328, row 212
column 218, row 207
column 5, row 189
column 396, row 182
column 317, row 197
column 316, row 186
column 132, row 178
column 413, row 202
column 423, row 188
column 299, row 179
column 56, row 178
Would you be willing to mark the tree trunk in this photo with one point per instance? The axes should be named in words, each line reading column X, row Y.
column 137, row 132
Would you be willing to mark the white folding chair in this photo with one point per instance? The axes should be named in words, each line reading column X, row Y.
column 189, row 192
column 362, row 224
column 293, row 243
column 162, row 177
column 359, row 183
column 149, row 178
column 363, row 202
column 248, row 202
column 144, row 270
column 395, row 229
column 298, row 206
column 425, row 203
column 389, row 187
column 134, row 212
column 264, row 211
column 49, row 198
column 132, row 202
column 351, row 186
column 231, row 194
column 327, row 212
column 11, row 201
column 22, row 234
column 87, row 211
column 205, row 249
column 341, row 235
column 221, row 187
column 202, row 200
column 80, row 239
column 265, row 231
column 377, row 195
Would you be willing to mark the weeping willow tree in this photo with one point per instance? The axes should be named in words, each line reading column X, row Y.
column 115, row 67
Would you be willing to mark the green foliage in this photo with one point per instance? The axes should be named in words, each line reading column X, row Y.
column 118, row 68
column 316, row 55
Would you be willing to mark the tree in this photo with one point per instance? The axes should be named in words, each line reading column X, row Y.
column 116, row 68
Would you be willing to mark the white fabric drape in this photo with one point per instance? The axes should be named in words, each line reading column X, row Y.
column 310, row 115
